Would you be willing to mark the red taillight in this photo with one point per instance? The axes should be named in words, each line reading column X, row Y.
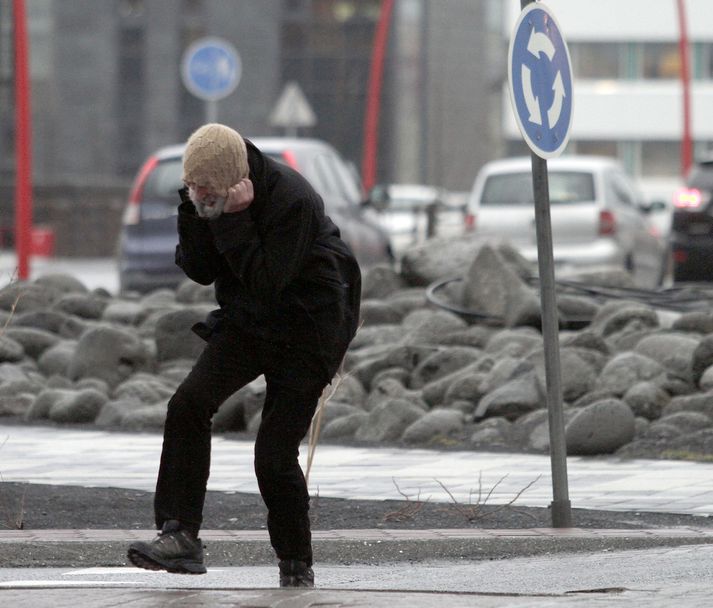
column 131, row 213
column 679, row 256
column 688, row 198
column 607, row 223
column 290, row 159
column 469, row 222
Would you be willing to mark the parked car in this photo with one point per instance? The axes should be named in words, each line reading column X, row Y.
column 148, row 237
column 411, row 213
column 598, row 217
column 692, row 226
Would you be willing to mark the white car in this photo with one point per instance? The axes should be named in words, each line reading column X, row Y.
column 412, row 213
column 598, row 216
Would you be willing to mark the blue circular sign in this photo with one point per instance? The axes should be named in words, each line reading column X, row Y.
column 540, row 77
column 211, row 68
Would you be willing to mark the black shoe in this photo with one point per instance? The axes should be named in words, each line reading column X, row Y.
column 174, row 550
column 294, row 573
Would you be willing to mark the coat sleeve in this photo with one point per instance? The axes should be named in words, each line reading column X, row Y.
column 267, row 258
column 196, row 253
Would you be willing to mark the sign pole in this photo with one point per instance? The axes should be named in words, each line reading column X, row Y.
column 541, row 91
column 23, row 144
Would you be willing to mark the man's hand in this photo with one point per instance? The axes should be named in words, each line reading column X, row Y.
column 239, row 196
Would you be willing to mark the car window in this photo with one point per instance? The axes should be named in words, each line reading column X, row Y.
column 516, row 188
column 160, row 191
column 328, row 183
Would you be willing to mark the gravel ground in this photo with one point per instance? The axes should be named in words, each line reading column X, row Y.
column 35, row 506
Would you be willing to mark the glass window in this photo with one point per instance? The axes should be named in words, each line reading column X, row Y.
column 597, row 148
column 516, row 188
column 660, row 60
column 595, row 60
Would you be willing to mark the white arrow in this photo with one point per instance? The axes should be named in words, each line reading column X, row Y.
column 540, row 43
column 555, row 110
column 533, row 106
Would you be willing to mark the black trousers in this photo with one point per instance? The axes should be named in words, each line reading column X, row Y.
column 230, row 360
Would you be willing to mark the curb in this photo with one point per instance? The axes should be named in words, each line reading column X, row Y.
column 84, row 548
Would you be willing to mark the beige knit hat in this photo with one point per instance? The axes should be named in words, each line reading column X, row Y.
column 215, row 157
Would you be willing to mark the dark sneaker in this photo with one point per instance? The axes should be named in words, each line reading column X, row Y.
column 174, row 550
column 294, row 573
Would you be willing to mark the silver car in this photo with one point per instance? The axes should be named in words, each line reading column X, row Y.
column 148, row 238
column 598, row 217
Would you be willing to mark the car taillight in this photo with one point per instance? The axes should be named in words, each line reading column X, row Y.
column 607, row 223
column 688, row 198
column 469, row 222
column 290, row 159
column 132, row 213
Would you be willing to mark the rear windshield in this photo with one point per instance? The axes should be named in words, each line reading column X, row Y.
column 516, row 188
column 164, row 181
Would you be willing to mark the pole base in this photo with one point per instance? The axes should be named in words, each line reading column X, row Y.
column 561, row 513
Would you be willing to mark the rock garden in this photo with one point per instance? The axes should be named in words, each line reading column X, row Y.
column 449, row 355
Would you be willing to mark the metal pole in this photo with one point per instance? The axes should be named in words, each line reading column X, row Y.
column 23, row 144
column 686, row 143
column 561, row 506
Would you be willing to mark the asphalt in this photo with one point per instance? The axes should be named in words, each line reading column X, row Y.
column 415, row 568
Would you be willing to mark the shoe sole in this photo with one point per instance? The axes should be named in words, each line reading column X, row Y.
column 141, row 560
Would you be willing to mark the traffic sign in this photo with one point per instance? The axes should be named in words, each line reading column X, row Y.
column 292, row 109
column 540, row 77
column 211, row 68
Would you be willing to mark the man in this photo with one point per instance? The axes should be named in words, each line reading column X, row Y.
column 288, row 289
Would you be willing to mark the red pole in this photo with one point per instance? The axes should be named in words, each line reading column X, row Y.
column 686, row 143
column 23, row 142
column 373, row 105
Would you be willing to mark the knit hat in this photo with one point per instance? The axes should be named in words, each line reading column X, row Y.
column 215, row 157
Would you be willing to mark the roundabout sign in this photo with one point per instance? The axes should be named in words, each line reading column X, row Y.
column 540, row 77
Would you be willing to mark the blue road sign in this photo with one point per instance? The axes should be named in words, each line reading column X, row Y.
column 211, row 68
column 540, row 77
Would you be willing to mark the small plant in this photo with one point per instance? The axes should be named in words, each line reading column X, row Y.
column 474, row 511
column 409, row 510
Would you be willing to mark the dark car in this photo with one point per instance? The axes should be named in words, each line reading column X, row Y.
column 691, row 234
column 148, row 238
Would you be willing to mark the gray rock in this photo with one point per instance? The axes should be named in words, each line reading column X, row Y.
column 377, row 312
column 491, row 432
column 62, row 283
column 34, row 341
column 492, row 287
column 467, row 387
column 429, row 326
column 21, row 385
column 625, row 370
column 388, row 420
column 511, row 400
column 189, row 292
column 144, row 388
column 124, row 312
column 700, row 322
column 373, row 335
column 111, row 354
column 47, row 320
column 113, row 412
column 10, row 350
column 700, row 402
column 399, row 374
column 144, row 418
column 11, row 371
column 701, row 359
column 174, row 338
column 475, row 336
column 20, row 297
column 600, row 428
column 43, row 402
column 646, row 400
column 380, row 281
column 15, row 405
column 56, row 359
column 85, row 306
column 434, row 425
column 438, row 258
column 673, row 351
column 441, row 363
column 625, row 317
column 348, row 389
column 686, row 422
column 588, row 340
column 78, row 406
column 387, row 389
column 706, row 380
column 406, row 301
column 514, row 342
column 331, row 410
column 344, row 427
column 577, row 376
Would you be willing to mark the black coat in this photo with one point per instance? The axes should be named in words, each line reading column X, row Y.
column 281, row 270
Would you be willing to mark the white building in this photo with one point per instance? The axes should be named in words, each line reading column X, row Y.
column 627, row 87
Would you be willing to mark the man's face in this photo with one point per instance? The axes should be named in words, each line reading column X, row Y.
column 208, row 204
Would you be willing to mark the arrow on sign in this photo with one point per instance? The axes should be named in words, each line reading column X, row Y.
column 533, row 105
column 540, row 43
column 555, row 110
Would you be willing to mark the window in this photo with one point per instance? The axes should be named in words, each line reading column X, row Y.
column 595, row 60
column 516, row 188
column 660, row 61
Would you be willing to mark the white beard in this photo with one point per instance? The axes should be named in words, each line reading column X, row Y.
column 209, row 207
